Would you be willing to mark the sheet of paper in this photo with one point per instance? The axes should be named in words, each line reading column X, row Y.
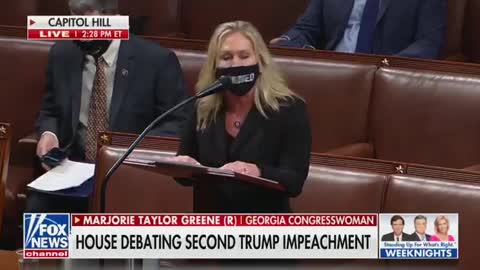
column 69, row 174
column 167, row 160
column 153, row 163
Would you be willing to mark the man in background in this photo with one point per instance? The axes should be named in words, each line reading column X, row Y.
column 397, row 235
column 410, row 28
column 99, row 85
column 420, row 229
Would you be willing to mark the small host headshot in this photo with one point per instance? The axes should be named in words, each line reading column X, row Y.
column 397, row 235
column 420, row 234
column 442, row 225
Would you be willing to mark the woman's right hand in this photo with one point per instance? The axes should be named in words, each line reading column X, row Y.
column 184, row 159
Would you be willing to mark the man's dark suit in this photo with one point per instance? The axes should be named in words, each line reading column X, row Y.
column 148, row 81
column 415, row 237
column 390, row 237
column 411, row 28
column 279, row 146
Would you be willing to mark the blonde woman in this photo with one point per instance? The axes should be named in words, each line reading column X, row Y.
column 258, row 126
column 442, row 225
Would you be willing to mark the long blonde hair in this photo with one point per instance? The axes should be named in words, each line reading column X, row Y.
column 271, row 87
column 437, row 223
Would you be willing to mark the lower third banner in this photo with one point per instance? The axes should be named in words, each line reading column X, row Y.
column 224, row 236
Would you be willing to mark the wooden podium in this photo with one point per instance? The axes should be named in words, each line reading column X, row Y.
column 202, row 178
column 148, row 182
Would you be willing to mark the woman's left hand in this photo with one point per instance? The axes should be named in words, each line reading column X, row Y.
column 243, row 167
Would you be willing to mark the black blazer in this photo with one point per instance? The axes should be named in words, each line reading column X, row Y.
column 390, row 237
column 414, row 237
column 148, row 81
column 410, row 28
column 279, row 146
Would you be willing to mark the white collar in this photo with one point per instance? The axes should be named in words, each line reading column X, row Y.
column 111, row 55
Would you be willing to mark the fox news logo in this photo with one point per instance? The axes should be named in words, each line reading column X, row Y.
column 46, row 235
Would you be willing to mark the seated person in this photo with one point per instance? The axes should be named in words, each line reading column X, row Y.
column 397, row 235
column 99, row 85
column 257, row 127
column 442, row 225
column 410, row 28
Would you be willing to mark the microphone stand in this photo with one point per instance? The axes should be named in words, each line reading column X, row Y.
column 103, row 189
column 219, row 85
column 130, row 149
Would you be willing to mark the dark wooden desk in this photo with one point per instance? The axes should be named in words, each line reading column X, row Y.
column 9, row 261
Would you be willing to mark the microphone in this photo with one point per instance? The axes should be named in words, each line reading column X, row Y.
column 221, row 84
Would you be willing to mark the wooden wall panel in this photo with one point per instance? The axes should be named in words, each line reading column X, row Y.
column 471, row 40
column 53, row 7
column 194, row 19
column 15, row 12
column 153, row 17
column 455, row 26
column 271, row 17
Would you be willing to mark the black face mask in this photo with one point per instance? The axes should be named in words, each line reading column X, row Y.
column 243, row 78
column 95, row 48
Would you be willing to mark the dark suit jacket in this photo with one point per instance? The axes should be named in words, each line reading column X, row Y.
column 279, row 146
column 148, row 81
column 414, row 237
column 411, row 28
column 390, row 237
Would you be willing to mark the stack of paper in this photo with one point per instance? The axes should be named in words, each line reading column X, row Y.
column 67, row 175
